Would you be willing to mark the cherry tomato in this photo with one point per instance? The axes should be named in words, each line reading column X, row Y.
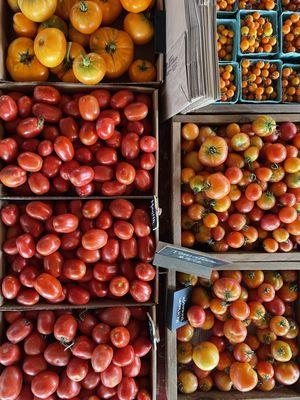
column 57, row 355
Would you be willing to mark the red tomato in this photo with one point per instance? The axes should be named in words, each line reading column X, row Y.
column 34, row 344
column 28, row 297
column 123, row 356
column 127, row 390
column 67, row 389
column 8, row 149
column 8, row 108
column 119, row 337
column 81, row 176
column 9, row 354
column 45, row 322
column 116, row 316
column 101, row 357
column 105, row 127
column 83, row 348
column 30, row 127
column 88, row 107
column 57, row 355
column 121, row 99
column 112, row 376
column 103, row 96
column 45, row 384
column 196, row 316
column 91, row 381
column 130, row 146
column 94, row 239
column 77, row 369
column 10, row 287
column 140, row 291
column 10, row 383
column 33, row 365
column 136, row 111
column 65, row 328
column 113, row 188
column 48, row 244
column 101, row 333
column 47, row 112
column 68, row 128
column 78, row 295
column 48, row 286
column 148, row 144
column 119, row 286
column 39, row 210
column 125, row 173
column 12, row 176
column 145, row 271
column 46, row 94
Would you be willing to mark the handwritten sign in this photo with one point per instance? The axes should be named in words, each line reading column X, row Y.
column 178, row 302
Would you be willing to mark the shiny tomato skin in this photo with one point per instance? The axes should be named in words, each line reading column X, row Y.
column 129, row 248
column 136, row 111
column 30, row 127
column 45, row 384
column 9, row 354
column 121, row 99
column 8, row 149
column 45, row 322
column 106, row 393
column 78, row 295
column 98, row 289
column 67, row 389
column 101, row 357
column 47, row 94
column 12, row 176
column 81, row 176
column 28, row 276
column 141, row 346
column 70, row 241
column 77, row 369
column 30, row 162
column 143, row 180
column 39, row 210
column 103, row 97
column 48, row 286
column 8, row 108
column 123, row 356
column 33, row 365
column 127, row 390
column 51, row 166
column 48, row 112
column 116, row 316
column 91, row 381
column 31, row 225
column 88, row 256
column 113, row 114
column 86, row 323
column 11, row 380
column 94, row 239
column 63, row 147
column 65, row 328
column 119, row 337
column 141, row 222
column 88, row 107
column 110, row 252
column 113, row 188
column 10, row 287
column 65, row 223
column 56, row 354
column 25, row 104
column 105, row 127
column 121, row 208
column 112, row 376
column 146, row 248
column 34, row 344
column 132, row 370
column 125, row 173
column 39, row 184
column 83, row 348
column 25, row 245
column 69, row 128
column 101, row 333
column 106, row 156
column 48, row 244
column 130, row 146
column 28, row 297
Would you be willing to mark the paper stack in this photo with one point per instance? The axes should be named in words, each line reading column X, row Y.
column 192, row 75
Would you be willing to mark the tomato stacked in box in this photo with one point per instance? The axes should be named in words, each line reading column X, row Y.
column 97, row 143
column 240, row 186
column 92, row 355
column 74, row 251
column 81, row 41
column 241, row 332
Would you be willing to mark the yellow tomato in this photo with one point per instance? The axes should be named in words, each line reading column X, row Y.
column 116, row 47
column 64, row 71
column 50, row 47
column 54, row 22
column 139, row 27
column 24, row 26
column 142, row 71
column 89, row 69
column 86, row 16
column 111, row 9
column 22, row 64
column 136, row 6
column 206, row 356
column 64, row 7
column 13, row 4
column 37, row 10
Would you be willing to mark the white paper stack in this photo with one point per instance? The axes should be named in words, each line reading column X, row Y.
column 192, row 75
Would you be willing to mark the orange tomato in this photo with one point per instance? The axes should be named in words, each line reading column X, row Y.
column 64, row 71
column 217, row 186
column 136, row 6
column 266, row 292
column 185, row 333
column 288, row 292
column 265, row 370
column 200, row 297
column 274, row 279
column 205, row 384
column 184, row 352
column 78, row 37
column 142, row 71
column 63, row 8
column 235, row 331
column 279, row 325
column 286, row 373
column 89, row 69
column 187, row 382
column 187, row 279
column 242, row 352
column 111, row 9
column 253, row 279
column 243, row 376
column 37, row 10
column 226, row 359
column 222, row 381
column 227, row 289
column 239, row 309
column 281, row 351
column 139, row 28
column 264, row 126
column 23, row 26
column 50, row 47
column 116, row 48
column 213, row 152
column 86, row 16
column 257, row 310
column 22, row 64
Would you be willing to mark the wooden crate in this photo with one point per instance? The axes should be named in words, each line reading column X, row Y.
column 80, row 88
column 152, row 321
column 240, row 259
column 105, row 302
column 153, row 51
column 278, row 393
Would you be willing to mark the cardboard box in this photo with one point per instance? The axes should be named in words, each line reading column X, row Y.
column 154, row 51
column 152, row 334
column 95, row 303
column 80, row 88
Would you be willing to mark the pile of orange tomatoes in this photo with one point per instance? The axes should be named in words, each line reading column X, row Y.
column 80, row 40
column 241, row 186
column 248, row 333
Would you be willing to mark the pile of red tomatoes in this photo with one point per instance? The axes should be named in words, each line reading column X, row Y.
column 248, row 336
column 241, row 186
column 83, row 144
column 77, row 250
column 92, row 355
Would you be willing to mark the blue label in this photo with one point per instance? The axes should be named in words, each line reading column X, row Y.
column 178, row 303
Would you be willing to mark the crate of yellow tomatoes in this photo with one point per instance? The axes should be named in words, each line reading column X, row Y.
column 86, row 41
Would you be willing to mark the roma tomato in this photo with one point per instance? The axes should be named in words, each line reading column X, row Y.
column 11, row 380
column 8, row 108
column 101, row 357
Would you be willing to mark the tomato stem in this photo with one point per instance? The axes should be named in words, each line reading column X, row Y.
column 83, row 7
column 86, row 60
column 25, row 58
column 110, row 48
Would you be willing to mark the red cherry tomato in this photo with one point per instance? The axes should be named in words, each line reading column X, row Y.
column 47, row 112
column 57, row 355
column 136, row 111
column 8, row 108
column 9, row 354
column 19, row 330
column 127, row 389
column 30, row 127
column 12, row 176
column 88, row 107
column 123, row 356
column 30, row 162
column 121, row 99
column 47, row 94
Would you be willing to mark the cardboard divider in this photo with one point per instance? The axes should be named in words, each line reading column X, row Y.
column 151, row 51
column 104, row 302
column 152, row 324
column 80, row 88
